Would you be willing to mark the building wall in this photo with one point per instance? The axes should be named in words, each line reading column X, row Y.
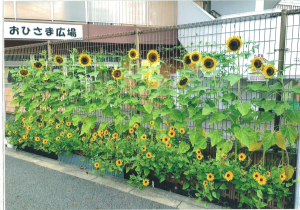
column 233, row 7
column 270, row 4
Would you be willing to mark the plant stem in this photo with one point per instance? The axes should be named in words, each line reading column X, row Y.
column 239, row 98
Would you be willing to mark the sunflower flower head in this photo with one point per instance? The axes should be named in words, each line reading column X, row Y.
column 145, row 182
column 115, row 135
column 37, row 65
column 234, row 44
column 171, row 133
column 257, row 63
column 282, row 176
column 59, row 60
column 97, row 165
column 195, row 57
column 57, row 138
column 45, row 141
column 210, row 176
column 186, row 60
column 149, row 155
column 133, row 54
column 268, row 173
column 131, row 130
column 85, row 60
column 262, row 180
column 229, row 176
column 199, row 156
column 69, row 135
column 118, row 162
column 144, row 137
column 256, row 175
column 144, row 148
column 269, row 71
column 20, row 140
column 181, row 130
column 165, row 139
column 168, row 145
column 136, row 125
column 242, row 156
column 204, row 183
column 23, row 72
column 106, row 132
column 117, row 74
column 209, row 63
column 151, row 122
column 183, row 82
column 153, row 57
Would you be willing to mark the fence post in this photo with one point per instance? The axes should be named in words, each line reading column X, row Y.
column 280, row 60
column 49, row 55
column 137, row 46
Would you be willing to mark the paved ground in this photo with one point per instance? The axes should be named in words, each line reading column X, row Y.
column 30, row 186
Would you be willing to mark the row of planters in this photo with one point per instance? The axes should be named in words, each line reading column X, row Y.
column 153, row 139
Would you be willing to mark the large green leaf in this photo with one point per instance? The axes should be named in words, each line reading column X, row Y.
column 217, row 116
column 293, row 116
column 197, row 139
column 296, row 89
column 88, row 124
column 269, row 139
column 289, row 132
column 233, row 78
column 268, row 104
column 135, row 119
column 118, row 119
column 169, row 102
column 148, row 107
column 183, row 147
column 76, row 119
column 215, row 137
column 265, row 117
column 207, row 110
column 223, row 147
column 103, row 125
column 244, row 108
column 193, row 110
column 246, row 135
column 69, row 109
column 280, row 107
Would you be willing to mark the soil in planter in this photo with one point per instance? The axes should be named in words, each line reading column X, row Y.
column 51, row 155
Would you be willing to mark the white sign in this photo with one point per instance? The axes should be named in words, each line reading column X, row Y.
column 22, row 30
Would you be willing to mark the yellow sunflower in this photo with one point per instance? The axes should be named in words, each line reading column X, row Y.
column 262, row 180
column 106, row 132
column 282, row 176
column 171, row 133
column 58, row 138
column 69, row 135
column 83, row 138
column 205, row 183
column 145, row 182
column 85, row 60
column 210, row 177
column 186, row 60
column 136, row 125
column 166, row 123
column 59, row 60
column 58, row 126
column 153, row 56
column 149, row 155
column 45, row 141
column 133, row 54
column 269, row 71
column 183, row 82
column 172, row 128
column 97, row 165
column 144, row 148
column 181, row 130
column 37, row 65
column 24, row 137
column 117, row 74
column 257, row 63
column 224, row 156
column 144, row 137
column 209, row 63
column 234, row 44
column 50, row 121
column 242, row 156
column 151, row 122
column 30, row 117
column 64, row 92
column 62, row 133
column 46, row 79
column 229, row 176
column 37, row 139
column 268, row 173
column 168, row 145
column 95, row 134
column 165, row 139
column 131, row 130
column 20, row 140
column 68, row 123
column 198, row 151
column 40, row 125
column 100, row 133
column 28, row 128
column 195, row 57
column 15, row 132
column 256, row 175
column 118, row 162
column 199, row 156
column 115, row 135
column 23, row 119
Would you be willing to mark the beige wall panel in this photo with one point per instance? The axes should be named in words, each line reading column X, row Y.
column 34, row 10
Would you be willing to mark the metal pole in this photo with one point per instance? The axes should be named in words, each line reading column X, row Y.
column 280, row 60
column 49, row 55
column 137, row 46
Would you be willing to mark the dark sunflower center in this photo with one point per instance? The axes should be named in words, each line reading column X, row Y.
column 84, row 60
column 228, row 175
column 38, row 64
column 220, row 149
column 256, row 175
column 187, row 60
column 261, row 180
column 270, row 71
column 209, row 176
column 257, row 64
column 117, row 73
column 152, row 57
column 209, row 63
column 234, row 44
column 183, row 81
column 23, row 72
column 195, row 57
column 132, row 54
column 59, row 60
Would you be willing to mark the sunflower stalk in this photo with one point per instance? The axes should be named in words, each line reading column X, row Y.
column 239, row 98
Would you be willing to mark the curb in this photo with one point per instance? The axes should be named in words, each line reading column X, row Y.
column 154, row 194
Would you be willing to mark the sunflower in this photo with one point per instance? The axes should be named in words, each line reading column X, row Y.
column 59, row 60
column 168, row 145
column 268, row 173
column 50, row 121
column 24, row 137
column 257, row 63
column 83, row 138
column 28, row 128
column 30, row 117
column 210, row 177
column 165, row 139
column 23, row 119
column 242, row 156
column 183, row 82
column 92, row 139
column 195, row 57
column 37, row 65
column 234, row 44
column 95, row 134
column 40, row 125
column 198, row 151
column 209, row 63
column 145, row 182
column 46, row 79
column 172, row 128
column 69, row 135
column 6, row 126
column 205, row 183
column 58, row 138
column 262, row 180
column 20, row 140
column 106, row 132
column 144, row 137
column 256, row 175
column 117, row 74
column 133, row 54
column 186, row 60
column 45, row 141
column 144, row 148
column 149, row 155
column 62, row 122
column 85, row 60
column 269, row 71
column 68, row 123
column 199, row 156
column 9, row 132
column 62, row 133
column 153, row 56
column 181, row 130
column 37, row 139
column 15, row 132
column 58, row 126
column 131, row 130
column 166, row 123
column 118, row 162
column 115, row 135
column 97, row 165
column 171, row 133
column 64, row 92
column 224, row 156
column 229, row 176
column 100, row 133
column 136, row 125
column 282, row 176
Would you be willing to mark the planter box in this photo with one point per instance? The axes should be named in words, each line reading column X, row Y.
column 77, row 160
column 7, row 144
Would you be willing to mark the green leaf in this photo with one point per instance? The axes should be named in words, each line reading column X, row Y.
column 296, row 89
column 88, row 124
column 69, row 109
column 95, row 73
column 76, row 119
column 293, row 116
column 103, row 125
column 186, row 185
column 244, row 108
column 268, row 104
column 118, row 119
column 135, row 119
column 148, row 107
column 246, row 135
column 259, row 194
column 265, row 117
column 197, row 139
column 207, row 110
column 223, row 187
column 276, row 86
column 217, row 116
column 18, row 115
column 289, row 132
column 192, row 111
column 269, row 139
column 255, row 86
column 215, row 136
column 233, row 78
column 146, row 171
column 280, row 107
column 183, row 147
column 169, row 102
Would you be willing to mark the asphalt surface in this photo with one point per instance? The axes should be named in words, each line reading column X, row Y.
column 29, row 186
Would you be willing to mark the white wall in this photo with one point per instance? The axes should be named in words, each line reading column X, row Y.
column 190, row 12
column 233, row 7
column 270, row 4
